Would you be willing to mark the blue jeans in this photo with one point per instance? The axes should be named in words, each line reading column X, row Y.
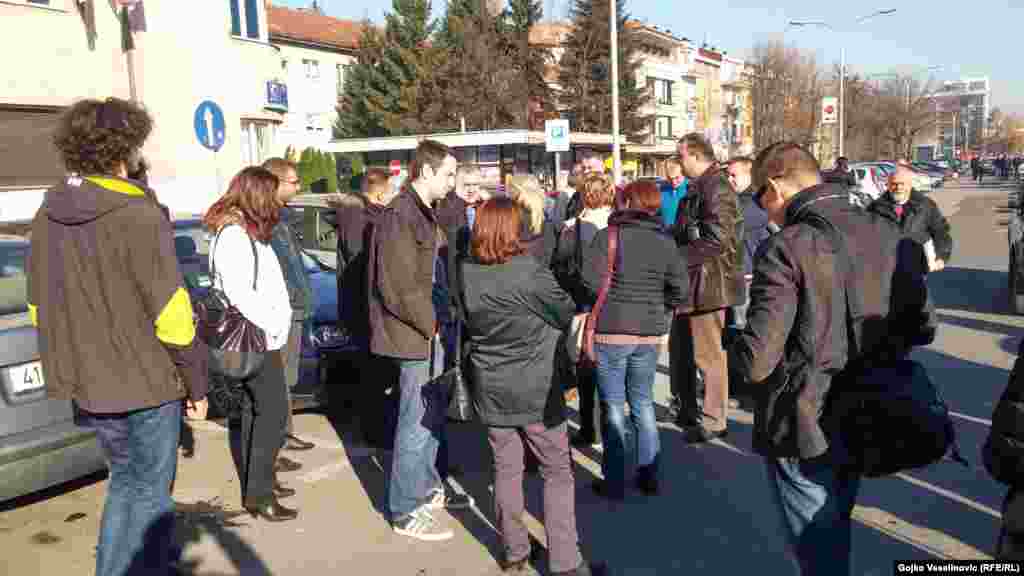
column 141, row 449
column 626, row 373
column 417, row 437
column 815, row 498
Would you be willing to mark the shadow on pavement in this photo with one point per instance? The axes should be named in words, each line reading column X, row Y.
column 215, row 520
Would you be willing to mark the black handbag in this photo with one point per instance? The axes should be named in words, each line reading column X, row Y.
column 453, row 381
column 237, row 346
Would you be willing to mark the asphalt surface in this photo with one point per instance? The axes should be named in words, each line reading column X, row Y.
column 713, row 517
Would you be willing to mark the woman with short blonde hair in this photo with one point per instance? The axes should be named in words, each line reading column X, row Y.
column 527, row 192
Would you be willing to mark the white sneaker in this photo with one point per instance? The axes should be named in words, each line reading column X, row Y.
column 442, row 500
column 421, row 526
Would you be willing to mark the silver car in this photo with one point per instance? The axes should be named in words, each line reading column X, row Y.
column 40, row 446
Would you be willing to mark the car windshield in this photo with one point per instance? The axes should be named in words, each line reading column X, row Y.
column 192, row 247
column 13, row 282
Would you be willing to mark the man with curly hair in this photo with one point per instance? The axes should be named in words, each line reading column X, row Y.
column 116, row 332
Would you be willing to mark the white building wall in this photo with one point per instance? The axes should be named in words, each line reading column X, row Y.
column 187, row 55
column 312, row 101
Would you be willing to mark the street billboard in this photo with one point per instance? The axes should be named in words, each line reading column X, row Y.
column 829, row 110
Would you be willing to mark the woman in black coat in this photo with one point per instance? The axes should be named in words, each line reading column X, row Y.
column 515, row 311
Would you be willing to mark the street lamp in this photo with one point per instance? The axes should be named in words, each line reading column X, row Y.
column 614, row 57
column 842, row 65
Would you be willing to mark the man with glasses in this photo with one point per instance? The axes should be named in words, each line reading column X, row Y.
column 916, row 216
column 829, row 255
column 286, row 247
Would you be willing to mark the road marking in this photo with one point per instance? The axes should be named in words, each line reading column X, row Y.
column 324, row 472
column 981, row 421
column 919, row 537
column 949, row 494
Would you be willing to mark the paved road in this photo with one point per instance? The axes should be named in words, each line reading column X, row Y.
column 714, row 516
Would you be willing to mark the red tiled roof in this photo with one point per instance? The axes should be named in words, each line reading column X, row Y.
column 306, row 26
column 550, row 35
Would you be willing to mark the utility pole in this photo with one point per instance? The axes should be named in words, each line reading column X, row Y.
column 616, row 151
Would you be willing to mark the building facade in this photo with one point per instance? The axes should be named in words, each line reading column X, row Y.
column 962, row 109
column 315, row 51
column 190, row 52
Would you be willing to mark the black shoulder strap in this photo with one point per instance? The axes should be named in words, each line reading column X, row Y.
column 578, row 255
column 255, row 256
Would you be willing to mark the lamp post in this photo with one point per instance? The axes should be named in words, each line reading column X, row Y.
column 842, row 65
column 614, row 56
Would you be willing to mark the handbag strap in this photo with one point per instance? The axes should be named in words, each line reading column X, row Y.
column 602, row 292
column 255, row 256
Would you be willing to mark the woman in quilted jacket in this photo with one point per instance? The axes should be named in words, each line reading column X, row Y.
column 1004, row 459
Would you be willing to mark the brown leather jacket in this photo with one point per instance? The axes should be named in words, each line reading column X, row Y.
column 400, row 279
column 709, row 231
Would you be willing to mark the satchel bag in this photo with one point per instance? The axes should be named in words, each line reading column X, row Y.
column 237, row 346
column 589, row 358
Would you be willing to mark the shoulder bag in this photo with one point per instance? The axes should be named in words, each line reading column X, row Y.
column 453, row 381
column 237, row 346
column 588, row 357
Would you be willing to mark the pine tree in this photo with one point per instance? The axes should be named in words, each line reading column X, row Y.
column 365, row 89
column 480, row 82
column 585, row 67
column 409, row 65
column 331, row 172
column 530, row 62
column 307, row 168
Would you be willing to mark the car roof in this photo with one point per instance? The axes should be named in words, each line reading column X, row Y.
column 12, row 240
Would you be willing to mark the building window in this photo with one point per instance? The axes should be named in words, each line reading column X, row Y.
column 662, row 90
column 245, row 12
column 312, row 68
column 663, row 127
column 257, row 141
column 26, row 145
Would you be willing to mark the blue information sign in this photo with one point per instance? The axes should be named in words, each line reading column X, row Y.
column 209, row 124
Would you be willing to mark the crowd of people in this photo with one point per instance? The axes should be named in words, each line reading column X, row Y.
column 743, row 269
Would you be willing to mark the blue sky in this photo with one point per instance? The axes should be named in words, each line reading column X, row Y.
column 978, row 38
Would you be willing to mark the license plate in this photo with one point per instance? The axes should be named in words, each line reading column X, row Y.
column 26, row 378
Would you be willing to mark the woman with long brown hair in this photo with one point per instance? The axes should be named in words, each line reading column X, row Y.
column 515, row 311
column 246, row 269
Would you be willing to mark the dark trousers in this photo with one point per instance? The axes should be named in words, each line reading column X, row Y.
column 375, row 398
column 590, row 417
column 257, row 436
column 683, row 370
column 551, row 447
column 291, row 355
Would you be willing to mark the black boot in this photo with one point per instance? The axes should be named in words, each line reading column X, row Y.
column 647, row 478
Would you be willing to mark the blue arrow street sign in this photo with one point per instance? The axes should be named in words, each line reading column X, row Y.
column 209, row 124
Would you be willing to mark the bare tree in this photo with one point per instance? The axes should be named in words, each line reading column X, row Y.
column 904, row 109
column 787, row 87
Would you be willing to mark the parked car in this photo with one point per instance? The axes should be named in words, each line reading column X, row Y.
column 40, row 445
column 870, row 182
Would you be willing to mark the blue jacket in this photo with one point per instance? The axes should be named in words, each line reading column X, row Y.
column 286, row 247
column 670, row 198
column 755, row 229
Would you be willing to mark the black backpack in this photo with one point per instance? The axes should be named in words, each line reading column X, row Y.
column 888, row 415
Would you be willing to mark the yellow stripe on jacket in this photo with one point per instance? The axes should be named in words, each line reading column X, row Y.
column 33, row 314
column 175, row 325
